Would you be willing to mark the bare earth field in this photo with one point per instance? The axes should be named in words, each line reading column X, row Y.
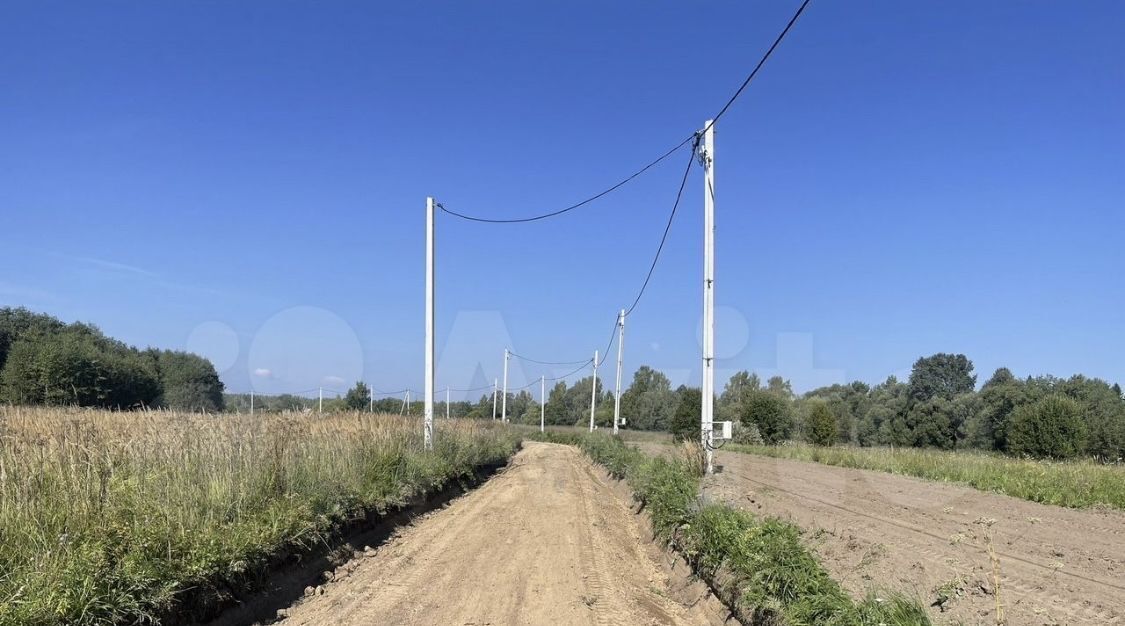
column 548, row 541
column 878, row 530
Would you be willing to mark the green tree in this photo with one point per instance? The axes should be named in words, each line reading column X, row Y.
column 735, row 393
column 80, row 367
column 770, row 413
column 780, row 387
column 941, row 376
column 685, row 420
column 649, row 402
column 821, row 429
column 358, row 397
column 999, row 397
column 188, row 381
column 1103, row 412
column 1050, row 428
column 557, row 412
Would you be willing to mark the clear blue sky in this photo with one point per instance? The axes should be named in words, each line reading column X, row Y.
column 903, row 178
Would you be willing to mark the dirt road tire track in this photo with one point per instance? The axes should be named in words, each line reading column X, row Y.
column 546, row 541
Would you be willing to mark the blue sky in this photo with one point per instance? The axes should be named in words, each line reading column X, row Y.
column 248, row 180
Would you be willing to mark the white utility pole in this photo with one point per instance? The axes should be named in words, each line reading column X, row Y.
column 494, row 381
column 707, row 413
column 594, row 391
column 370, row 399
column 428, row 415
column 542, row 402
column 320, row 394
column 504, row 399
column 447, row 403
column 620, row 357
column 251, row 402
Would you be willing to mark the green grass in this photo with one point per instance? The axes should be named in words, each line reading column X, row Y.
column 123, row 517
column 759, row 566
column 1074, row 484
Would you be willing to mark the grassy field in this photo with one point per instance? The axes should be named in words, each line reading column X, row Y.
column 759, row 566
column 110, row 517
column 1075, row 484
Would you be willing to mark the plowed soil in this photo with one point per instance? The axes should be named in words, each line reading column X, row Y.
column 550, row 540
column 929, row 539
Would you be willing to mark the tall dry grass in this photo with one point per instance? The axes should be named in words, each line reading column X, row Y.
column 114, row 516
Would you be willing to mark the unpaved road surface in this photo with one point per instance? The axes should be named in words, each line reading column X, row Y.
column 547, row 541
column 878, row 530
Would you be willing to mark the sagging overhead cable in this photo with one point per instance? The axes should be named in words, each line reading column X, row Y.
column 690, row 138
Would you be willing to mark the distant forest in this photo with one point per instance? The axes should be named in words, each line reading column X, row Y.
column 44, row 361
column 938, row 407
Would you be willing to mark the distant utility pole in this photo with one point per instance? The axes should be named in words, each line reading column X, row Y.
column 447, row 403
column 620, row 356
column 504, row 400
column 594, row 391
column 371, row 400
column 542, row 402
column 251, row 402
column 494, row 381
column 707, row 413
column 320, row 395
column 428, row 415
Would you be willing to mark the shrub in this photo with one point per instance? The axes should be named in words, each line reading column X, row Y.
column 1051, row 428
column 746, row 434
column 769, row 413
column 821, row 425
column 685, row 420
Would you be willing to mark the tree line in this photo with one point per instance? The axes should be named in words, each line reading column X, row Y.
column 44, row 361
column 939, row 406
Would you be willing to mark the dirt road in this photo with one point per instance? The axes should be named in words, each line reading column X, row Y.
column 547, row 541
column 872, row 529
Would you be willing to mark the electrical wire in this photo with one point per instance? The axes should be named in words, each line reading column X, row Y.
column 468, row 390
column 529, row 360
column 667, row 227
column 521, row 220
column 572, row 372
column 738, row 92
column 761, row 62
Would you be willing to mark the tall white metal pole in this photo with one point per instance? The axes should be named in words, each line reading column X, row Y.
column 320, row 395
column 542, row 403
column 371, row 400
column 428, row 415
column 620, row 357
column 504, row 398
column 494, row 381
column 594, row 391
column 707, row 414
column 447, row 403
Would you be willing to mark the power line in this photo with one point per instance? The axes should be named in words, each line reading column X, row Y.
column 612, row 337
column 572, row 372
column 754, row 72
column 738, row 92
column 529, row 360
column 667, row 227
column 468, row 390
column 543, row 216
